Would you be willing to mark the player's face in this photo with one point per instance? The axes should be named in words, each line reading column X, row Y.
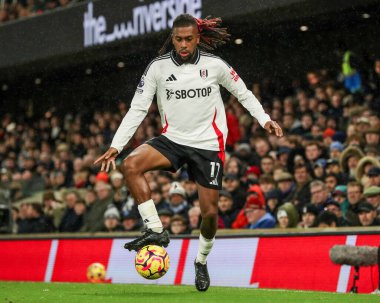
column 185, row 41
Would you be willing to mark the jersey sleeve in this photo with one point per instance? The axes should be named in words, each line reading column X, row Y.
column 139, row 108
column 229, row 79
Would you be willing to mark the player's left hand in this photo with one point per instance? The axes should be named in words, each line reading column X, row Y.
column 272, row 126
column 107, row 159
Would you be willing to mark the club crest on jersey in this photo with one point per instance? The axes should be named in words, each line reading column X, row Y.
column 203, row 73
column 169, row 94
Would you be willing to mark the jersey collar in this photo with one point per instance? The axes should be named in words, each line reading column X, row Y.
column 178, row 62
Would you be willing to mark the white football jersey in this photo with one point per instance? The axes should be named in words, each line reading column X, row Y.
column 189, row 101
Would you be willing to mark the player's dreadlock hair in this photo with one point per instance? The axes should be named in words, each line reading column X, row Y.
column 211, row 34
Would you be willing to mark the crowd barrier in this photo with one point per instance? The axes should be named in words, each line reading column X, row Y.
column 287, row 262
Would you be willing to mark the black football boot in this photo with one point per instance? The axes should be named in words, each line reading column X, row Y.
column 149, row 238
column 202, row 279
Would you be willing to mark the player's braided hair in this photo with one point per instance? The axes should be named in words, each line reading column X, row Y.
column 211, row 34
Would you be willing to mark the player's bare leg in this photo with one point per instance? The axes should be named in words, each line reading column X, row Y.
column 208, row 200
column 143, row 159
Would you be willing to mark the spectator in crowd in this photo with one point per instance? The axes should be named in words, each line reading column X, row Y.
column 90, row 197
column 319, row 169
column 267, row 183
column 158, row 199
column 194, row 215
column 333, row 167
column 232, row 184
column 319, row 194
column 374, row 176
column 177, row 200
column 331, row 180
column 35, row 221
column 178, row 225
column 254, row 192
column 287, row 216
column 71, row 221
column 367, row 214
column 52, row 208
column 363, row 167
column 354, row 196
column 336, row 149
column 340, row 195
column 191, row 191
column 112, row 220
column 334, row 207
column 165, row 215
column 282, row 218
column 131, row 221
column 267, row 165
column 273, row 201
column 285, row 185
column 256, row 214
column 327, row 219
column 372, row 195
column 227, row 212
column 372, row 137
column 93, row 220
column 301, row 195
column 349, row 160
column 309, row 216
column 313, row 152
column 120, row 191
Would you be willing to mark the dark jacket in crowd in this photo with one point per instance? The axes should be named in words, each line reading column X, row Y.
column 70, row 221
column 93, row 218
column 228, row 217
column 41, row 224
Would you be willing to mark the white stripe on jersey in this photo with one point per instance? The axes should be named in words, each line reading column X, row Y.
column 189, row 101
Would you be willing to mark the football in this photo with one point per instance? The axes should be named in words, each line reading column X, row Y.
column 96, row 273
column 152, row 262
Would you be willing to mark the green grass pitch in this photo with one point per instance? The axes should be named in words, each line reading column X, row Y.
column 25, row 292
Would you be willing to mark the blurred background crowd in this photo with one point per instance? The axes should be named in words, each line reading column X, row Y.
column 16, row 9
column 325, row 171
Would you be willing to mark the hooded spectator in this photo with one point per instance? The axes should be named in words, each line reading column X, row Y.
column 291, row 215
column 254, row 196
column 362, row 169
column 349, row 160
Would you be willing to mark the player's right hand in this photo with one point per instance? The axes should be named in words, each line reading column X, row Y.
column 107, row 159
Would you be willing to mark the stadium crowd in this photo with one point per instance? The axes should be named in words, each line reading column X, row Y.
column 325, row 171
column 16, row 9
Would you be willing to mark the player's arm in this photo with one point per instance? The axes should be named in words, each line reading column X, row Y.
column 139, row 108
column 235, row 85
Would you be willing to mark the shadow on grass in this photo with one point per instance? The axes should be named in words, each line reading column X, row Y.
column 139, row 294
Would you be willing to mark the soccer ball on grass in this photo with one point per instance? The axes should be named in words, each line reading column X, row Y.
column 96, row 273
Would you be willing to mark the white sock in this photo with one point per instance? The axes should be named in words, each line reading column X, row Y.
column 204, row 248
column 150, row 217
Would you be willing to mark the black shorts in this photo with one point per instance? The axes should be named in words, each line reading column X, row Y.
column 204, row 166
